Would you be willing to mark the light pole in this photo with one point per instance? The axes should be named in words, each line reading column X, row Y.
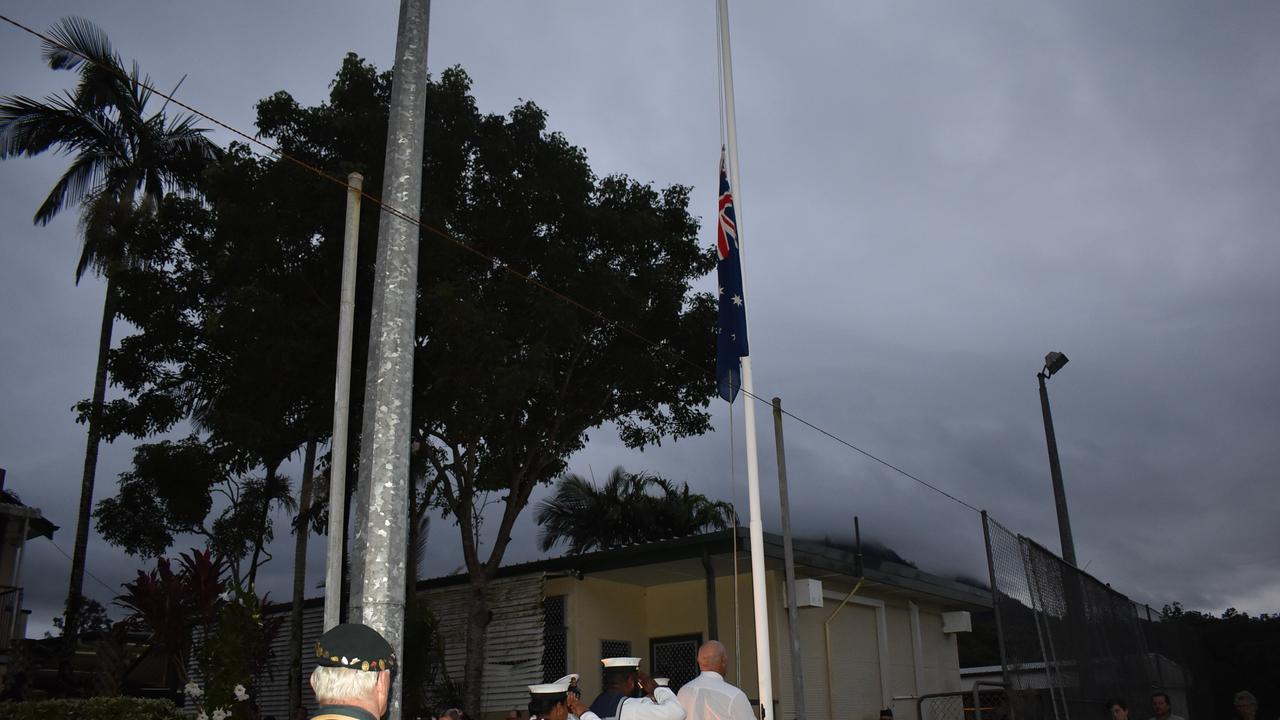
column 1053, row 362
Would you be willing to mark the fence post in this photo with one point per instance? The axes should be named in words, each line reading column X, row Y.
column 995, row 609
column 1047, row 652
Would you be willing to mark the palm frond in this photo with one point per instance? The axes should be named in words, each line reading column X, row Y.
column 80, row 45
column 30, row 127
column 418, row 532
column 80, row 181
column 76, row 39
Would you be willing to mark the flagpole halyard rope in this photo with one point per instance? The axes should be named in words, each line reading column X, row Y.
column 733, row 495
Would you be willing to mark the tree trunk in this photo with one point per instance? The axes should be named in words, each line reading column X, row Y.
column 265, row 516
column 300, row 578
column 478, row 619
column 72, row 618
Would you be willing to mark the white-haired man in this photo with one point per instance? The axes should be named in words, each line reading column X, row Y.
column 709, row 696
column 353, row 679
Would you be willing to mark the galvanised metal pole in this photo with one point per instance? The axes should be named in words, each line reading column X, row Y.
column 342, row 406
column 789, row 566
column 1055, row 469
column 381, row 538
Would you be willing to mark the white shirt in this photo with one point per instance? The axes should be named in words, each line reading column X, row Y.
column 709, row 697
column 663, row 706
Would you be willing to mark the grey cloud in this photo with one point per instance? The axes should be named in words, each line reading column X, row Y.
column 934, row 196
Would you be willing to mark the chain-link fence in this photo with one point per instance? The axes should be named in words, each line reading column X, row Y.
column 1069, row 643
column 978, row 704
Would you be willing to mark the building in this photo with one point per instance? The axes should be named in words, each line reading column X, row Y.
column 18, row 524
column 867, row 643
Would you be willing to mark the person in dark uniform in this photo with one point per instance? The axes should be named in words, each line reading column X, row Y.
column 630, row 694
column 559, row 700
column 353, row 679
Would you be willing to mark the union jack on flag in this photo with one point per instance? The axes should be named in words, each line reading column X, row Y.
column 731, row 323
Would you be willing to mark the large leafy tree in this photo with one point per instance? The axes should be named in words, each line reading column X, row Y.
column 236, row 314
column 509, row 378
column 629, row 508
column 124, row 158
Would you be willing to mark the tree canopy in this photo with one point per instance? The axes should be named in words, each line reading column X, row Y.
column 630, row 508
column 237, row 317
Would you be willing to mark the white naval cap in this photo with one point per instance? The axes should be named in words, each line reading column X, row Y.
column 661, row 681
column 621, row 662
column 559, row 687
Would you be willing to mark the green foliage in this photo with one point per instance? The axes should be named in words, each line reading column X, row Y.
column 99, row 708
column 93, row 618
column 124, row 159
column 424, row 676
column 169, row 491
column 235, row 648
column 631, row 508
column 119, row 149
column 236, row 312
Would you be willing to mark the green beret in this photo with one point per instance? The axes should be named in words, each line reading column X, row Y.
column 355, row 646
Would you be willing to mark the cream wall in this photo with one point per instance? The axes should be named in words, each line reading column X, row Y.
column 855, row 656
column 599, row 609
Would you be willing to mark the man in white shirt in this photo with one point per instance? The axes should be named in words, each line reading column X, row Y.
column 708, row 696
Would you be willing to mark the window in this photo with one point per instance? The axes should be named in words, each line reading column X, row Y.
column 555, row 639
column 676, row 658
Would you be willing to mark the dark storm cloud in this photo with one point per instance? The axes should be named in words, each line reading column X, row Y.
column 934, row 196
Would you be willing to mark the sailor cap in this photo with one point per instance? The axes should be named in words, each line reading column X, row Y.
column 559, row 687
column 620, row 662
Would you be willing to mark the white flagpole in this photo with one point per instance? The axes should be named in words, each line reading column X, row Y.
column 760, row 603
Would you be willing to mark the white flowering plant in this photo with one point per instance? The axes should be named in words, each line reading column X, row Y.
column 232, row 647
column 207, row 708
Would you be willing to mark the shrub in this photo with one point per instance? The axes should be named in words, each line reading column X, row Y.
column 100, row 708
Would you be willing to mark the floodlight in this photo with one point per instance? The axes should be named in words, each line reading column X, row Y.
column 1054, row 361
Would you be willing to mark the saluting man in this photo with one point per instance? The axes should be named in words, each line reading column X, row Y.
column 559, row 700
column 630, row 694
column 353, row 679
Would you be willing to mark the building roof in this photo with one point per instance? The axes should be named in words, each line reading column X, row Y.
column 812, row 560
column 37, row 525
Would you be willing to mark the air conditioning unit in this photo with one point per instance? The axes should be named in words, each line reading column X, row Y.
column 957, row 621
column 808, row 593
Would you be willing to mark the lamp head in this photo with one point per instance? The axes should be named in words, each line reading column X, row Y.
column 1054, row 361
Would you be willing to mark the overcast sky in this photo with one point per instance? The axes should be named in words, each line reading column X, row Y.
column 934, row 196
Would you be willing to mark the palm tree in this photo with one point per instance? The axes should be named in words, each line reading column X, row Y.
column 118, row 152
column 631, row 508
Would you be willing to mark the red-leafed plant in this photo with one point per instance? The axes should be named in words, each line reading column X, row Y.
column 169, row 604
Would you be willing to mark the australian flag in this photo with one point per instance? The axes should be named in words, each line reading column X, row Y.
column 731, row 325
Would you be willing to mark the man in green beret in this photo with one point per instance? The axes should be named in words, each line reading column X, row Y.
column 353, row 678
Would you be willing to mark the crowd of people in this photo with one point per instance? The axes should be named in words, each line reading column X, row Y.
column 1244, row 702
column 353, row 680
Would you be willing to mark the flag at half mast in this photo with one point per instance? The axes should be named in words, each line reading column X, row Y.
column 731, row 322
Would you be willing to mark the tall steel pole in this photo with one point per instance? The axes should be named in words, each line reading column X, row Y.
column 789, row 565
column 342, row 406
column 1055, row 469
column 381, row 536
